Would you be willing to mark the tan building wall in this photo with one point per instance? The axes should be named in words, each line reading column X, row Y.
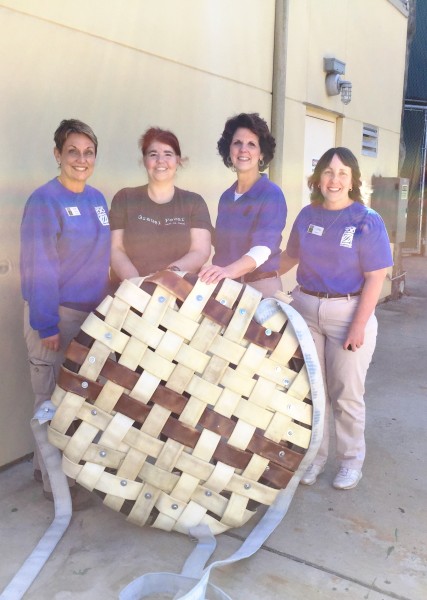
column 187, row 65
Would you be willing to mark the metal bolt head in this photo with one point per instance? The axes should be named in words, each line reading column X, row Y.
column 208, row 493
column 108, row 335
column 123, row 483
column 93, row 412
column 268, row 332
column 247, row 486
column 102, row 453
column 199, row 298
column 147, row 495
column 92, row 359
column 161, row 299
column 282, row 453
column 290, row 432
column 286, row 382
column 85, row 384
column 242, row 311
column 223, row 301
column 174, row 506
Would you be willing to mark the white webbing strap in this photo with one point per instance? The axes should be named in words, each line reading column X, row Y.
column 63, row 509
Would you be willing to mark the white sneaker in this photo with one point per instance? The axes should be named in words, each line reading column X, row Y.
column 311, row 474
column 347, row 478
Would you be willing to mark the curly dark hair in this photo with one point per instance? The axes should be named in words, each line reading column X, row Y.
column 258, row 126
column 347, row 157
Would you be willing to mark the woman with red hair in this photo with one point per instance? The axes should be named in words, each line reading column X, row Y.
column 158, row 225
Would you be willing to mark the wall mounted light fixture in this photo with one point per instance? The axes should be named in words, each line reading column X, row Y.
column 334, row 84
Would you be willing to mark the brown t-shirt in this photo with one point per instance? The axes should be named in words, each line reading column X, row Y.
column 155, row 235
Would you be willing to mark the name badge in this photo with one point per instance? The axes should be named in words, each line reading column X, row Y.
column 315, row 229
column 72, row 211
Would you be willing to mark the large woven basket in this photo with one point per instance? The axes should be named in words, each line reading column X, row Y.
column 178, row 408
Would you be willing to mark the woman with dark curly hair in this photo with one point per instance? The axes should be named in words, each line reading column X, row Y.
column 251, row 213
column 343, row 252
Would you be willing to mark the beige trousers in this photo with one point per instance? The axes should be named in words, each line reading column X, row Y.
column 45, row 364
column 344, row 373
column 267, row 287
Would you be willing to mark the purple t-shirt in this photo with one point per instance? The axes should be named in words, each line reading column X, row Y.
column 257, row 218
column 335, row 248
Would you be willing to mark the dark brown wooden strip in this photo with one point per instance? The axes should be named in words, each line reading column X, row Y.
column 171, row 282
column 276, row 453
column 276, row 477
column 257, row 334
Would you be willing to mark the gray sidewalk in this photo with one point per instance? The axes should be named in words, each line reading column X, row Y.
column 369, row 543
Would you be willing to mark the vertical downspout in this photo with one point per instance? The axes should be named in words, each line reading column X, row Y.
column 278, row 88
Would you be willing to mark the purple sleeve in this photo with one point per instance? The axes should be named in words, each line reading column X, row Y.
column 293, row 245
column 375, row 251
column 271, row 220
column 40, row 264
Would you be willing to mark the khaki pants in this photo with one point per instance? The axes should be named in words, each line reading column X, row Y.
column 45, row 364
column 344, row 372
column 267, row 287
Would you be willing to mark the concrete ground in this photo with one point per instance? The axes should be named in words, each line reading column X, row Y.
column 369, row 543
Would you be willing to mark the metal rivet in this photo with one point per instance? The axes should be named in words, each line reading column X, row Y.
column 199, row 298
column 282, row 453
column 208, row 493
column 223, row 301
column 286, row 382
column 147, row 496
column 290, row 432
column 108, row 335
column 102, row 453
column 268, row 332
column 174, row 506
column 247, row 486
column 85, row 384
column 93, row 412
column 46, row 410
column 123, row 483
column 278, row 369
column 242, row 311
column 161, row 299
column 92, row 359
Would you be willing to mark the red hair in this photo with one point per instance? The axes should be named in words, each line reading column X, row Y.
column 155, row 134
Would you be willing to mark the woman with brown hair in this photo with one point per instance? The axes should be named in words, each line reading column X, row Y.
column 158, row 225
column 342, row 250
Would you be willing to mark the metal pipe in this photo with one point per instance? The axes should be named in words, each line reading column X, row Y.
column 397, row 276
column 279, row 88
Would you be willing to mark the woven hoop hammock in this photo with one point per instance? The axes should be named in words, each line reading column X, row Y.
column 179, row 408
column 185, row 407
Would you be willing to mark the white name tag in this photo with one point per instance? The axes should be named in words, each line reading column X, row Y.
column 72, row 211
column 315, row 229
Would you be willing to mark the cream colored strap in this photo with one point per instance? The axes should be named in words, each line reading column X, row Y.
column 63, row 509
